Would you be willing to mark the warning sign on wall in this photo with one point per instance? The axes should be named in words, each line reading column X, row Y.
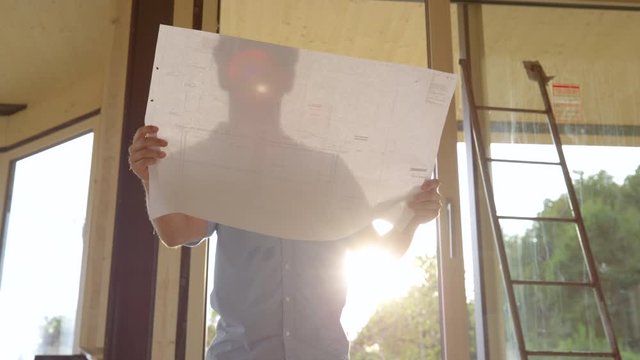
column 567, row 102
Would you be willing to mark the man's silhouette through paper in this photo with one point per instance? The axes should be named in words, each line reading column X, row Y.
column 272, row 183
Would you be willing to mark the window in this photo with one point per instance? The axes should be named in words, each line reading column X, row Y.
column 43, row 250
column 406, row 293
column 592, row 55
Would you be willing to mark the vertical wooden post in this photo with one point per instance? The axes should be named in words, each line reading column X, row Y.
column 450, row 261
column 130, row 309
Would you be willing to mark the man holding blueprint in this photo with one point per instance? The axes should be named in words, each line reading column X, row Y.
column 267, row 174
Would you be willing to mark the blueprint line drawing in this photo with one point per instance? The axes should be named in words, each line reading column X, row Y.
column 287, row 142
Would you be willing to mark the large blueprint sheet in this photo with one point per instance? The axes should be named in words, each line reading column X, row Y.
column 287, row 142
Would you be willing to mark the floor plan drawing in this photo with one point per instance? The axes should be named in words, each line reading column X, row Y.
column 288, row 142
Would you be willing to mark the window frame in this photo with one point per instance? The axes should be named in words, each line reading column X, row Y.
column 42, row 141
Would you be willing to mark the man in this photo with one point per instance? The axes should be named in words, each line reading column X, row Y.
column 278, row 299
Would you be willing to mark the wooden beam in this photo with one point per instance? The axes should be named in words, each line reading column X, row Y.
column 129, row 333
column 618, row 5
column 10, row 109
column 453, row 318
column 52, row 130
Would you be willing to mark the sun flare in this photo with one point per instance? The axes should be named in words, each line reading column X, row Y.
column 374, row 277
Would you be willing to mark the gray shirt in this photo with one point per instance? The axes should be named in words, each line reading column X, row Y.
column 278, row 299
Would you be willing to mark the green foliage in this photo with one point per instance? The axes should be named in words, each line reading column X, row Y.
column 557, row 318
column 471, row 313
column 211, row 326
column 50, row 334
column 626, row 355
column 553, row 318
column 407, row 328
column 581, row 340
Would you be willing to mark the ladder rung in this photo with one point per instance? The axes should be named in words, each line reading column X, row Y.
column 572, row 354
column 497, row 108
column 551, row 283
column 505, row 217
column 523, row 161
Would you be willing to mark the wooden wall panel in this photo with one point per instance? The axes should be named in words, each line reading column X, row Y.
column 102, row 195
column 596, row 50
column 129, row 332
column 380, row 30
column 47, row 46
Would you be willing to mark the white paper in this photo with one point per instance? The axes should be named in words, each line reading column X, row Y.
column 287, row 142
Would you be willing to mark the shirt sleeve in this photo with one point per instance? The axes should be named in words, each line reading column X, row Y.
column 211, row 228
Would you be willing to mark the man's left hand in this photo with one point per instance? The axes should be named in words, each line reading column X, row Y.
column 426, row 203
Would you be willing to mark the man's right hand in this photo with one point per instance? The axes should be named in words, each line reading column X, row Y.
column 145, row 150
column 173, row 229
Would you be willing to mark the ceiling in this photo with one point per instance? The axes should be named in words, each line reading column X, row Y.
column 48, row 45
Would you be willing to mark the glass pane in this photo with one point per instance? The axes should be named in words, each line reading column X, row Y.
column 389, row 301
column 467, row 248
column 607, row 192
column 547, row 251
column 463, row 179
column 212, row 317
column 514, row 150
column 609, row 195
column 560, row 319
column 592, row 56
column 593, row 92
column 521, row 129
column 43, row 251
column 392, row 307
column 523, row 189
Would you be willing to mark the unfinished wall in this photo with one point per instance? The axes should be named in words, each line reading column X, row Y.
column 596, row 50
column 380, row 30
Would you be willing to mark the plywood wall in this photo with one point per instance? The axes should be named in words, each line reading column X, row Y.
column 597, row 51
column 379, row 30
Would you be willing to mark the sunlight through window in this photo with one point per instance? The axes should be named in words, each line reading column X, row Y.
column 43, row 251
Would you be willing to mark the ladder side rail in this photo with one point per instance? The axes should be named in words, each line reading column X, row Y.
column 584, row 242
column 495, row 224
